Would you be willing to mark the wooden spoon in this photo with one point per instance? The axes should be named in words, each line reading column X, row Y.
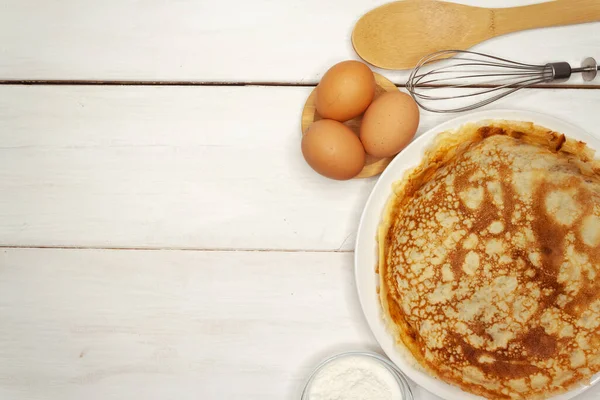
column 397, row 35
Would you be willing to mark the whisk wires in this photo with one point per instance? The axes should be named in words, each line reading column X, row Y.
column 482, row 77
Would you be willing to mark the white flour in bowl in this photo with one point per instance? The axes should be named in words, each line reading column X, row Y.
column 354, row 378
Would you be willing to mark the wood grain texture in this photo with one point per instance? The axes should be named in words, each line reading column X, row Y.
column 186, row 167
column 149, row 325
column 373, row 165
column 554, row 13
column 224, row 41
column 399, row 34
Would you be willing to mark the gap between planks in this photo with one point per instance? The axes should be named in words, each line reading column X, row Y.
column 191, row 249
column 257, row 83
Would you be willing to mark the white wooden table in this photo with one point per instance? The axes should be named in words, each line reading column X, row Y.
column 161, row 236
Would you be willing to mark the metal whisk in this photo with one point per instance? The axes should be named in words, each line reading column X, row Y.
column 482, row 79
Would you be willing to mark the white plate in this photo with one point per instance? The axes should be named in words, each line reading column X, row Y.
column 366, row 242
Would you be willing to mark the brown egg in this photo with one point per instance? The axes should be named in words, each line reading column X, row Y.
column 333, row 150
column 345, row 91
column 389, row 124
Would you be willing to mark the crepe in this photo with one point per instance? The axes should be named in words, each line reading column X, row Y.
column 488, row 261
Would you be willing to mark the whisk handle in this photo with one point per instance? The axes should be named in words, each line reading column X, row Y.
column 560, row 70
column 552, row 13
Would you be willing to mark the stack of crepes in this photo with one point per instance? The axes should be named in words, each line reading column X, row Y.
column 489, row 253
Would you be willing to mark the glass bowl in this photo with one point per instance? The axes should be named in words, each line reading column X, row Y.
column 396, row 373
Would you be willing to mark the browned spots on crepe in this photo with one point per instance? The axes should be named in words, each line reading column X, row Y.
column 491, row 259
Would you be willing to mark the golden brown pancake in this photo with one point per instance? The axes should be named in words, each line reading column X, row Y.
column 489, row 261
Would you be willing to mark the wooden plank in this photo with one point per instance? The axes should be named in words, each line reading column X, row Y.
column 182, row 167
column 101, row 324
column 185, row 167
column 226, row 41
column 119, row 324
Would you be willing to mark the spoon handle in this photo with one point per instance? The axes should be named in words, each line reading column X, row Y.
column 553, row 13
